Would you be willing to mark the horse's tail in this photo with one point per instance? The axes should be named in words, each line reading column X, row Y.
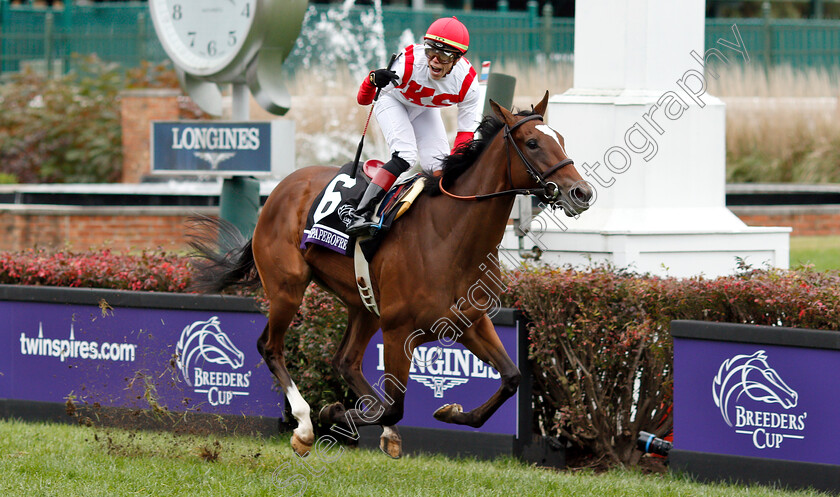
column 222, row 257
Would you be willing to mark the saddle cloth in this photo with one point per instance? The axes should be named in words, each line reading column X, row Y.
column 329, row 215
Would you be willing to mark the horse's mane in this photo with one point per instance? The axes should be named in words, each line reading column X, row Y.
column 466, row 155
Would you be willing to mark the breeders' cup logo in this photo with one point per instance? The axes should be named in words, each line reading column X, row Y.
column 442, row 368
column 749, row 377
column 344, row 214
column 204, row 342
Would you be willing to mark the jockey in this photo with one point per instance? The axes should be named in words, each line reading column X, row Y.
column 425, row 78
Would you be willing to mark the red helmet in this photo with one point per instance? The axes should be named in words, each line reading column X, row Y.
column 451, row 32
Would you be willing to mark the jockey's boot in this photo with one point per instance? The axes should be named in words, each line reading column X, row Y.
column 380, row 184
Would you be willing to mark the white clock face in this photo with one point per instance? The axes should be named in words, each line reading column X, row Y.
column 203, row 36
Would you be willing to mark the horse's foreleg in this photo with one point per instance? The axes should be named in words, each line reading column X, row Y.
column 481, row 339
column 384, row 404
column 347, row 361
column 270, row 344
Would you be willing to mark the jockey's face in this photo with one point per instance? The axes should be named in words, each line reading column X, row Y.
column 440, row 61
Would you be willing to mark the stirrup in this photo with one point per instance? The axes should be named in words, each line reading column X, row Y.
column 369, row 228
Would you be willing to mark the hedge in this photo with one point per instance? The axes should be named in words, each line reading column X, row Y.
column 599, row 339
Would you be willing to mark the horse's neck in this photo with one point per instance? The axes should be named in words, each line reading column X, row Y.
column 481, row 223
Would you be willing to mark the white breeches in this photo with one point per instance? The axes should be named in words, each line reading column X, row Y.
column 413, row 132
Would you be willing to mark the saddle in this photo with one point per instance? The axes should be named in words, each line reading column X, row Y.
column 329, row 215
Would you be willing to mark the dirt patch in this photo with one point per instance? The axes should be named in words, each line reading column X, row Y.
column 210, row 453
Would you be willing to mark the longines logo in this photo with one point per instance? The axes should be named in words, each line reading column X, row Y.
column 202, row 343
column 443, row 368
column 215, row 138
column 751, row 377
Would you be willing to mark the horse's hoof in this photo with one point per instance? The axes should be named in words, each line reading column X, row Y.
column 329, row 413
column 448, row 412
column 300, row 447
column 391, row 445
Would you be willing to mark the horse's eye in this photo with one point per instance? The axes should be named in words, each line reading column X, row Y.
column 532, row 144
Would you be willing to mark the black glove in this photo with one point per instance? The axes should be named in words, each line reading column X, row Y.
column 381, row 78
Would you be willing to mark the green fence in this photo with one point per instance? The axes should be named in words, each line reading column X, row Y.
column 123, row 32
column 798, row 43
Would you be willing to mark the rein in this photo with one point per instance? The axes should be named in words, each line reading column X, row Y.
column 549, row 189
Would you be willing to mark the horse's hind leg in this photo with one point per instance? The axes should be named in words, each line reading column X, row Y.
column 373, row 410
column 481, row 339
column 284, row 302
column 347, row 361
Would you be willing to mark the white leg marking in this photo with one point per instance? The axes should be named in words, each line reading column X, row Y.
column 388, row 432
column 301, row 412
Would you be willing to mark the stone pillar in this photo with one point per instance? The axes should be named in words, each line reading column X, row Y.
column 645, row 133
column 139, row 108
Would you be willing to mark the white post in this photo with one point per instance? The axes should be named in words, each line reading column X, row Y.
column 644, row 131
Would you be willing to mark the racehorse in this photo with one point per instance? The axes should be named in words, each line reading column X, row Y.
column 424, row 273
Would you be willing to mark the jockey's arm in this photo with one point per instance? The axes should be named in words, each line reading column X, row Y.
column 367, row 91
column 466, row 116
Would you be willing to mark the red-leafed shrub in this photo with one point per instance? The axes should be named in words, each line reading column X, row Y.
column 151, row 272
column 602, row 350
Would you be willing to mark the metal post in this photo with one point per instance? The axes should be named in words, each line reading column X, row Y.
column 817, row 8
column 239, row 202
column 768, row 36
column 548, row 21
column 502, row 6
column 141, row 37
column 534, row 18
column 48, row 41
column 66, row 41
column 4, row 12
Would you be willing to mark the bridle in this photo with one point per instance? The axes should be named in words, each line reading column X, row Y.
column 549, row 189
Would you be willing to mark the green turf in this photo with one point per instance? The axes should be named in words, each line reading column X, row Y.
column 62, row 460
column 823, row 252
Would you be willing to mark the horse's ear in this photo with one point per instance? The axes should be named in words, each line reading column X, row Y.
column 542, row 106
column 503, row 113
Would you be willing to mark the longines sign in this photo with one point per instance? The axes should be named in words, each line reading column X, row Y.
column 451, row 374
column 223, row 148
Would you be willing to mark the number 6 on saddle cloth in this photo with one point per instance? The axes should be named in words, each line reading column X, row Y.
column 329, row 216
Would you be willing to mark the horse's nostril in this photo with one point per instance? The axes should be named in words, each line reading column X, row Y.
column 581, row 195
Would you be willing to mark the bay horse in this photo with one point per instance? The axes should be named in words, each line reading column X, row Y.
column 422, row 272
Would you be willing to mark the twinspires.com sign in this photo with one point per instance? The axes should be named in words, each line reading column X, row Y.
column 186, row 360
column 223, row 148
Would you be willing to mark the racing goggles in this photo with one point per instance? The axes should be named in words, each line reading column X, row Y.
column 444, row 56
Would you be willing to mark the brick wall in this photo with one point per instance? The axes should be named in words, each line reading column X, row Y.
column 139, row 108
column 120, row 228
column 81, row 228
column 805, row 220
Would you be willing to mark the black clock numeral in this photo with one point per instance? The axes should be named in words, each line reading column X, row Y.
column 211, row 48
column 177, row 13
column 246, row 12
column 232, row 38
column 191, row 34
